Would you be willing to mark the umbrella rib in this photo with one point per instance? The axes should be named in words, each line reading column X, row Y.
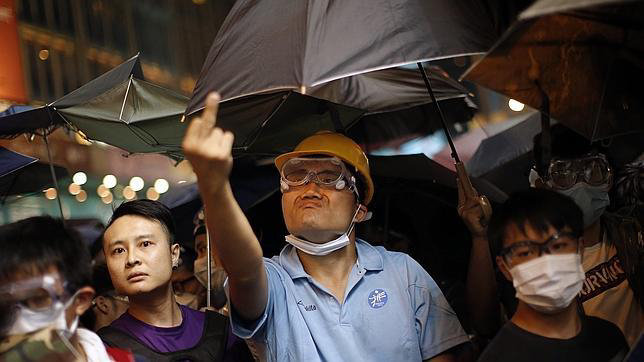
column 254, row 93
column 394, row 65
column 127, row 91
column 258, row 130
column 134, row 130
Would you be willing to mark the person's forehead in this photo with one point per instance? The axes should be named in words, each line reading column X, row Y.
column 29, row 272
column 514, row 234
column 132, row 227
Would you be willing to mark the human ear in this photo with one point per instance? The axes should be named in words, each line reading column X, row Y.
column 362, row 213
column 83, row 300
column 102, row 305
column 175, row 250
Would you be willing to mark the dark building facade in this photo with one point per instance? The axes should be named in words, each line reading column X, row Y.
column 65, row 43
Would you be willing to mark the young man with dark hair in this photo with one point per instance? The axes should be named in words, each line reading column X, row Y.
column 141, row 253
column 612, row 258
column 537, row 239
column 45, row 278
column 328, row 296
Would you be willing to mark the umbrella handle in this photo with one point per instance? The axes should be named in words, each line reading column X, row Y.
column 471, row 192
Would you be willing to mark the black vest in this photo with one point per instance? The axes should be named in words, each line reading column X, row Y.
column 211, row 346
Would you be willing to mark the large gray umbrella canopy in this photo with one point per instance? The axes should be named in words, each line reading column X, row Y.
column 134, row 115
column 47, row 118
column 119, row 108
column 580, row 61
column 267, row 46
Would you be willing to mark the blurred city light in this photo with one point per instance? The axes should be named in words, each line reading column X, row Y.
column 50, row 193
column 74, row 188
column 102, row 190
column 137, row 183
column 109, row 181
column 82, row 196
column 128, row 193
column 108, row 198
column 152, row 194
column 80, row 178
column 515, row 105
column 43, row 54
column 161, row 185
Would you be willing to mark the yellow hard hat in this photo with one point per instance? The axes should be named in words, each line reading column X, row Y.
column 338, row 145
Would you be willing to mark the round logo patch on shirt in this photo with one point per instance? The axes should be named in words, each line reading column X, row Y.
column 377, row 298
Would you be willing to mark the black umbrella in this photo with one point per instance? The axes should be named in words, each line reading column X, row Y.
column 505, row 158
column 579, row 61
column 250, row 184
column 21, row 174
column 394, row 171
column 285, row 46
column 397, row 105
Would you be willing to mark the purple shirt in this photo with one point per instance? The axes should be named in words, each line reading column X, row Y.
column 160, row 339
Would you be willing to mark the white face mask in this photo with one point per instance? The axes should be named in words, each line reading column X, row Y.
column 324, row 248
column 217, row 275
column 549, row 283
column 592, row 200
column 28, row 321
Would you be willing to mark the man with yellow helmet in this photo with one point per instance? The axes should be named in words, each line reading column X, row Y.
column 327, row 295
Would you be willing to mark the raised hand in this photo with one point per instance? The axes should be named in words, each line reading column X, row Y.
column 470, row 209
column 208, row 148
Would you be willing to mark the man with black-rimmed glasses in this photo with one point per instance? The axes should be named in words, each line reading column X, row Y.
column 536, row 237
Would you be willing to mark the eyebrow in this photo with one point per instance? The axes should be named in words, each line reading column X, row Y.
column 145, row 236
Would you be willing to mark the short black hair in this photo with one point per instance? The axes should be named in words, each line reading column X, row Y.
column 152, row 210
column 38, row 243
column 101, row 281
column 539, row 208
column 566, row 144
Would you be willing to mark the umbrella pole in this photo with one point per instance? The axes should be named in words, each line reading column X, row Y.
column 53, row 176
column 440, row 112
column 461, row 172
column 209, row 267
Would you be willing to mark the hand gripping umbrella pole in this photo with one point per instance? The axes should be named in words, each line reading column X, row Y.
column 463, row 177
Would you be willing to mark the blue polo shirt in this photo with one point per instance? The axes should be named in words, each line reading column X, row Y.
column 392, row 311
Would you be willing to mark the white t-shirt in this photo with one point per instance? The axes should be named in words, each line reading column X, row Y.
column 92, row 345
column 606, row 292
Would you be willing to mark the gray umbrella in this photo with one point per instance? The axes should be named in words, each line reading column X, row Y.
column 119, row 108
column 265, row 46
column 285, row 46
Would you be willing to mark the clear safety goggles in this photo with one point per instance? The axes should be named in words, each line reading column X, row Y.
column 593, row 170
column 327, row 172
column 38, row 294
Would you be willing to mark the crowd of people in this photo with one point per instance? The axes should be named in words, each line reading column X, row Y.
column 554, row 274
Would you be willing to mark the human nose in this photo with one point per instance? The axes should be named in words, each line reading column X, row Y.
column 132, row 259
column 311, row 189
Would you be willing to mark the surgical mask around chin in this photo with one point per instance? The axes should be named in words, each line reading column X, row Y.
column 549, row 283
column 324, row 248
column 28, row 321
column 592, row 200
column 217, row 274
